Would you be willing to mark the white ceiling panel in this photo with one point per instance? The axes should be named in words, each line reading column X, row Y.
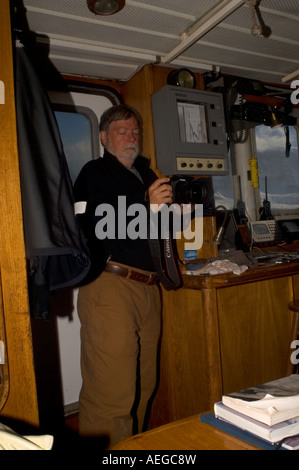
column 200, row 34
column 238, row 41
column 93, row 68
column 102, row 34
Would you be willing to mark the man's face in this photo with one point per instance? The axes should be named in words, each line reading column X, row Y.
column 122, row 140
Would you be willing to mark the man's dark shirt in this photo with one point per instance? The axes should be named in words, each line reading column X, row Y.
column 102, row 181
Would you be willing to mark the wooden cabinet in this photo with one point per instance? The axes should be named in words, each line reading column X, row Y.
column 221, row 334
column 254, row 326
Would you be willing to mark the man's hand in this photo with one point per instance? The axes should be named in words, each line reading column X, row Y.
column 160, row 192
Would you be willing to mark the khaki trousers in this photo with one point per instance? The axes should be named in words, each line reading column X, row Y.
column 120, row 330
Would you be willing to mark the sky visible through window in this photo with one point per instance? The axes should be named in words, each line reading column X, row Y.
column 282, row 172
column 75, row 130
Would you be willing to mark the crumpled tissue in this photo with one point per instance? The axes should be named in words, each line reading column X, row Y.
column 224, row 266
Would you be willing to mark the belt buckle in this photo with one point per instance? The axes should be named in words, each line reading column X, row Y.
column 150, row 278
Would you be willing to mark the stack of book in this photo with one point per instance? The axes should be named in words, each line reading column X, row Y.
column 269, row 411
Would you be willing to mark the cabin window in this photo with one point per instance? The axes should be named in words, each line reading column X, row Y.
column 278, row 169
column 78, row 114
column 278, row 166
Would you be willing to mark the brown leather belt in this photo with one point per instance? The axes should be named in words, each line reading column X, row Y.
column 149, row 279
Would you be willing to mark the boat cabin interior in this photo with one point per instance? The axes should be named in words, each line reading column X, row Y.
column 216, row 84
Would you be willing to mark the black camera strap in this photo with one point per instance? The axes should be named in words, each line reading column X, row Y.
column 165, row 261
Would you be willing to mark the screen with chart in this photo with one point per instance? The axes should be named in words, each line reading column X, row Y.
column 192, row 122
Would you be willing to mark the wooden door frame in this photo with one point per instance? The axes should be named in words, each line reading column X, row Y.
column 21, row 402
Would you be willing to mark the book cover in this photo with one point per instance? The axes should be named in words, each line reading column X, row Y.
column 291, row 444
column 270, row 403
column 272, row 434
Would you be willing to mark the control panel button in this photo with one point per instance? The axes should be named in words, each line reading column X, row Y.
column 200, row 165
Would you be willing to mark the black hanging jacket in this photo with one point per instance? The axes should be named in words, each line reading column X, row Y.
column 55, row 246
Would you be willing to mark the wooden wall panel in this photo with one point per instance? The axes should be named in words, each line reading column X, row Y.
column 137, row 93
column 22, row 400
column 254, row 332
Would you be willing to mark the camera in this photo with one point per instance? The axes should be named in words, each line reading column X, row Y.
column 188, row 190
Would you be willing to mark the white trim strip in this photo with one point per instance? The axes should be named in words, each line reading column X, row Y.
column 80, row 207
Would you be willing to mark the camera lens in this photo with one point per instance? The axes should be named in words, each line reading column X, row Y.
column 199, row 192
column 188, row 190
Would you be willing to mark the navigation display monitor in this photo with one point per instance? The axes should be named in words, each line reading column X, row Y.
column 190, row 132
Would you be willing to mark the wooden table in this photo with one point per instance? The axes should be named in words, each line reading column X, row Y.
column 185, row 434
